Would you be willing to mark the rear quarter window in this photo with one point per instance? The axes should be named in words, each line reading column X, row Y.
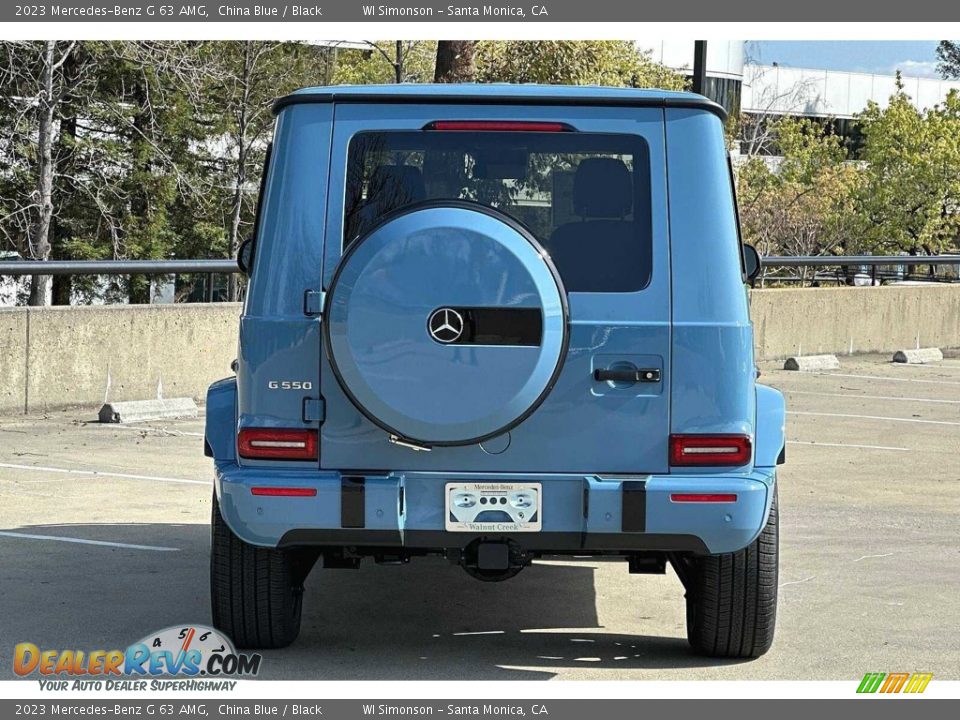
column 584, row 196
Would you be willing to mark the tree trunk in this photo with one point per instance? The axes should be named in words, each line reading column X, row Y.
column 138, row 286
column 455, row 61
column 240, row 172
column 40, row 232
column 66, row 143
column 233, row 288
column 62, row 290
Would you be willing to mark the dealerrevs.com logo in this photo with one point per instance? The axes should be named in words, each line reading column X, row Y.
column 188, row 657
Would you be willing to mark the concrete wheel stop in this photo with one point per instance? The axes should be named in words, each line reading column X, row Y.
column 134, row 411
column 812, row 363
column 918, row 356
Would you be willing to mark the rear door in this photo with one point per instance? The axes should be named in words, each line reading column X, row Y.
column 590, row 185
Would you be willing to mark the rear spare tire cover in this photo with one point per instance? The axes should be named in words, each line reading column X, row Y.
column 446, row 324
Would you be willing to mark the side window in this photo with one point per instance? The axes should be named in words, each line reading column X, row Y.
column 736, row 215
column 584, row 196
column 258, row 212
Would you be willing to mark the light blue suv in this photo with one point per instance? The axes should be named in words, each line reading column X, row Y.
column 496, row 323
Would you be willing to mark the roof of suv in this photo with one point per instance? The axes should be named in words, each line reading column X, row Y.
column 499, row 94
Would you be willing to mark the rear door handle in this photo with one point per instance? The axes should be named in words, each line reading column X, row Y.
column 644, row 375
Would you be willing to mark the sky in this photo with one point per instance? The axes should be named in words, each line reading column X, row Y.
column 916, row 58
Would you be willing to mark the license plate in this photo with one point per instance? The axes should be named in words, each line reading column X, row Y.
column 493, row 507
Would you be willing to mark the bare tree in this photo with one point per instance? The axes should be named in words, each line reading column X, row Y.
column 242, row 78
column 40, row 232
column 398, row 56
column 33, row 86
column 769, row 101
column 245, row 114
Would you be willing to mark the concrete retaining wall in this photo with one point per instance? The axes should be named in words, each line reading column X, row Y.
column 854, row 320
column 62, row 356
column 56, row 357
column 13, row 359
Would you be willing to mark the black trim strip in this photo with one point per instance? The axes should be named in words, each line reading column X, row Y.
column 545, row 542
column 518, row 326
column 633, row 517
column 429, row 99
column 353, row 504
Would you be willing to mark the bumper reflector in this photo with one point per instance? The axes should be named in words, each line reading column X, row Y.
column 284, row 491
column 703, row 497
column 277, row 444
column 710, row 450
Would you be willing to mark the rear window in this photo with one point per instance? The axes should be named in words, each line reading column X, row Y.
column 584, row 196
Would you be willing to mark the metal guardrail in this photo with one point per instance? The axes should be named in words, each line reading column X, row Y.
column 857, row 260
column 116, row 267
column 857, row 269
column 170, row 267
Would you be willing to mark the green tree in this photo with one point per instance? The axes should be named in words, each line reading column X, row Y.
column 801, row 203
column 572, row 62
column 911, row 191
column 148, row 97
column 39, row 85
column 386, row 62
column 140, row 149
column 948, row 54
column 124, row 122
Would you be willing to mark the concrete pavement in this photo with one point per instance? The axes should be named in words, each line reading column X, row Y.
column 870, row 556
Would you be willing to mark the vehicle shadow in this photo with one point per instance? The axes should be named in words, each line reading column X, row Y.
column 431, row 621
column 428, row 620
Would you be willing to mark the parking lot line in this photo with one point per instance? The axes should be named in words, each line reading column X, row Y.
column 99, row 473
column 939, row 365
column 875, row 417
column 83, row 541
column 845, row 445
column 141, row 428
column 873, row 397
column 883, row 377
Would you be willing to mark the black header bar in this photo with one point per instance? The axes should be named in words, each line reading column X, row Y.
column 392, row 11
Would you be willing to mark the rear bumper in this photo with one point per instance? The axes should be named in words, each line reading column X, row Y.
column 581, row 513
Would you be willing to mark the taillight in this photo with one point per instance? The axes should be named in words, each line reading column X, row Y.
column 273, row 491
column 703, row 497
column 277, row 444
column 712, row 450
column 498, row 126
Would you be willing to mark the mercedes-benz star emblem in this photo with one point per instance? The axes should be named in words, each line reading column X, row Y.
column 445, row 325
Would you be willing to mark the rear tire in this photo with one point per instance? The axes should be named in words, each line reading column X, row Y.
column 732, row 598
column 256, row 593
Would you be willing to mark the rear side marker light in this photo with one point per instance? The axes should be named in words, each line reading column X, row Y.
column 284, row 491
column 277, row 444
column 498, row 126
column 703, row 498
column 709, row 450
